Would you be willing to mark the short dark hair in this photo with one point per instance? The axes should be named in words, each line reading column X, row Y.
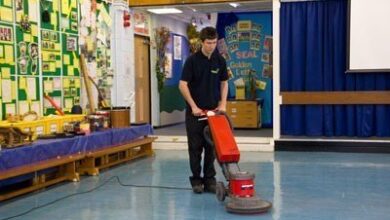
column 209, row 33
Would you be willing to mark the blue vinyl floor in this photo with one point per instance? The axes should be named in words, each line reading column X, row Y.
column 300, row 186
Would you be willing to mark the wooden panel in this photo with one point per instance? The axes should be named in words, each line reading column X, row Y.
column 335, row 98
column 142, row 80
column 135, row 3
column 17, row 171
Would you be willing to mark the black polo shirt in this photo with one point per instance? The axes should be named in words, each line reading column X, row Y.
column 204, row 78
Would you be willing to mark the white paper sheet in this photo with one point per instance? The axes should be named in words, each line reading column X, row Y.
column 31, row 88
column 6, row 88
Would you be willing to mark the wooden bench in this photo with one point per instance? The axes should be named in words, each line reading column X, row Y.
column 65, row 171
column 68, row 168
column 94, row 161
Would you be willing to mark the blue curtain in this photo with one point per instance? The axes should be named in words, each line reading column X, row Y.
column 313, row 58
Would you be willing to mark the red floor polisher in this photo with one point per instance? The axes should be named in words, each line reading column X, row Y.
column 241, row 186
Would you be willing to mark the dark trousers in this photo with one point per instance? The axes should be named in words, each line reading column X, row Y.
column 196, row 144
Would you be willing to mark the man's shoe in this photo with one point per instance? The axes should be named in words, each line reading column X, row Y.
column 197, row 185
column 209, row 185
column 198, row 189
column 210, row 188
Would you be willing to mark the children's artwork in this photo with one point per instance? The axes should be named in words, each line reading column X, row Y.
column 255, row 45
column 256, row 27
column 71, row 43
column 73, row 16
column 260, row 84
column 45, row 35
column 244, row 36
column 233, row 47
column 230, row 30
column 255, row 36
column 19, row 5
column 5, row 33
column 267, row 71
column 23, row 64
column 53, row 36
column 265, row 57
column 268, row 43
column 33, row 51
column 52, row 57
column 74, row 26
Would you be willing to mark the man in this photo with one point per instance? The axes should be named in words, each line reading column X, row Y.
column 204, row 86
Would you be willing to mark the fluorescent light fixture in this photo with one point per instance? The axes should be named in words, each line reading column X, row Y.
column 165, row 10
column 234, row 5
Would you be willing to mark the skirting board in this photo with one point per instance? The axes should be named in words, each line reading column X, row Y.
column 352, row 146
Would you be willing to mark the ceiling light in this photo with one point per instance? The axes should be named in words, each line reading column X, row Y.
column 165, row 10
column 234, row 5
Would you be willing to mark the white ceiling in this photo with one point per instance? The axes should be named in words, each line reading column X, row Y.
column 200, row 11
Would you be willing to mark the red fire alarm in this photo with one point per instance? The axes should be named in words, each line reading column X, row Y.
column 126, row 19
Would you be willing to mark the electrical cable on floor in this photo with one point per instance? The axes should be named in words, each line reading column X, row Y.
column 91, row 190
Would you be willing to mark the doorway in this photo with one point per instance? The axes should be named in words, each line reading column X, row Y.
column 142, row 79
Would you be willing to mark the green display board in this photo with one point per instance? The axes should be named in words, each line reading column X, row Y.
column 39, row 55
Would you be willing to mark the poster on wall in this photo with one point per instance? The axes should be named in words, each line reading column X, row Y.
column 247, row 48
column 141, row 23
column 168, row 65
column 177, row 47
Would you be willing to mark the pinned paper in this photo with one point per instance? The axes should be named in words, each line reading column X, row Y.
column 66, row 83
column 13, row 90
column 57, row 83
column 76, row 62
column 6, row 72
column 36, row 107
column 10, row 109
column 23, row 107
column 70, row 71
column 55, row 5
column 6, row 89
column 73, row 3
column 77, row 83
column 66, row 59
column 33, row 10
column 7, row 3
column 65, row 24
column 65, row 7
column 9, row 54
column 19, row 15
column 22, row 83
column 48, row 86
column 45, row 56
column 31, row 88
column 34, row 30
column 68, row 102
column 261, row 84
column 53, row 19
column 1, row 51
column 6, row 14
column 52, row 66
column 27, row 38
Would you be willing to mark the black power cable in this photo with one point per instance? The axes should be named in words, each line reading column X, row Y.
column 91, row 190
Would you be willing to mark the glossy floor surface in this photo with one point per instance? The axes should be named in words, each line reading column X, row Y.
column 300, row 186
